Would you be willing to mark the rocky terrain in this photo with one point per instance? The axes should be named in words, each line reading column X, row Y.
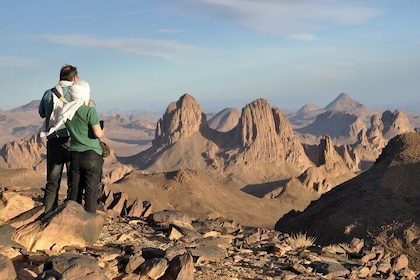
column 131, row 241
column 381, row 203
column 220, row 186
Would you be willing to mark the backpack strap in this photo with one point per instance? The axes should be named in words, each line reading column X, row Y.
column 62, row 98
column 82, row 119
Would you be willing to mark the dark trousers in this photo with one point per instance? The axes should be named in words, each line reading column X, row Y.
column 57, row 157
column 86, row 172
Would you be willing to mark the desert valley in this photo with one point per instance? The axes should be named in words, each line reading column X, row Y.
column 344, row 174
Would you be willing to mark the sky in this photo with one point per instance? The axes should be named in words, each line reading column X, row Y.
column 145, row 54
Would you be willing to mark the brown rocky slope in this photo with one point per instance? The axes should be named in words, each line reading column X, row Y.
column 380, row 205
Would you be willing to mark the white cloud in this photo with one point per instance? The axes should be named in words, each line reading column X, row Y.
column 303, row 37
column 168, row 50
column 10, row 61
column 170, row 31
column 288, row 17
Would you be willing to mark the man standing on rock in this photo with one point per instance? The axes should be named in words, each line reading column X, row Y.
column 58, row 142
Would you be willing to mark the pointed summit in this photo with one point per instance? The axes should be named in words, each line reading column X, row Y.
column 343, row 102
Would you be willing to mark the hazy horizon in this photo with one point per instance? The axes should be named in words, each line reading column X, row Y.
column 408, row 107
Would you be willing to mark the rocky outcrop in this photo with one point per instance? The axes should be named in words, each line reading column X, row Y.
column 66, row 225
column 358, row 146
column 181, row 120
column 374, row 133
column 117, row 172
column 350, row 157
column 262, row 140
column 369, row 144
column 395, row 123
column 327, row 153
column 12, row 204
column 330, row 171
column 383, row 199
column 264, row 135
column 25, row 153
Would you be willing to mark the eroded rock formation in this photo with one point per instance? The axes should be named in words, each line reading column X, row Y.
column 25, row 153
column 395, row 123
column 265, row 135
column 181, row 119
column 263, row 139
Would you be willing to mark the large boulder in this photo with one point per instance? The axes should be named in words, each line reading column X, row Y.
column 12, row 204
column 67, row 225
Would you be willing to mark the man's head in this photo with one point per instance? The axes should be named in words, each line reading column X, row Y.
column 69, row 73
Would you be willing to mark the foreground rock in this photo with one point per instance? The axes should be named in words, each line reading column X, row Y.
column 66, row 225
column 170, row 245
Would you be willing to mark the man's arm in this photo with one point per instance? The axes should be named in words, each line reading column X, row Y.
column 94, row 122
column 97, row 131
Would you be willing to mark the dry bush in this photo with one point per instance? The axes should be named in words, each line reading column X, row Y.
column 301, row 240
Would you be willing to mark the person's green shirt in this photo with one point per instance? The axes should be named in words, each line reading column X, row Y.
column 82, row 137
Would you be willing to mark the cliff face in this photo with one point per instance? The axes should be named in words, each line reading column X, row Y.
column 264, row 135
column 263, row 138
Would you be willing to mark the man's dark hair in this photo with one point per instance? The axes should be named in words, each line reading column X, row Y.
column 68, row 73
